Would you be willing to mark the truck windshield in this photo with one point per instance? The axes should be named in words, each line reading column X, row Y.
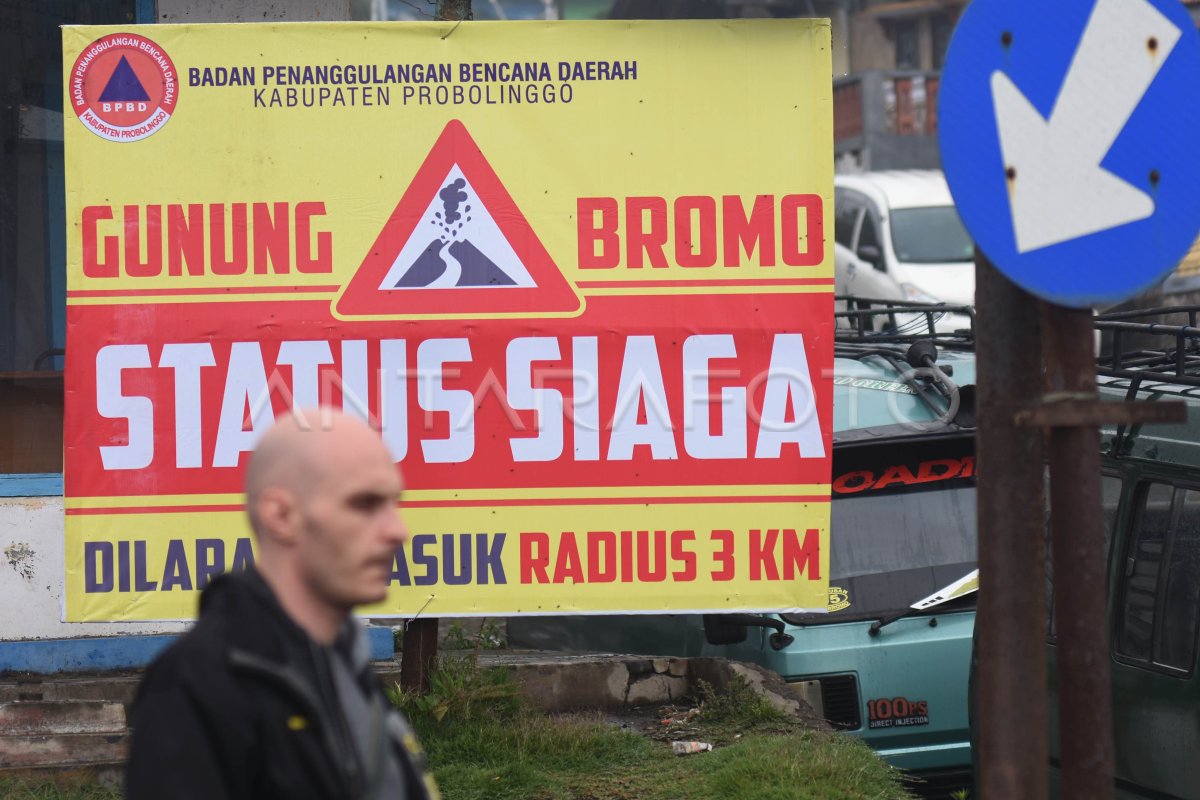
column 898, row 533
column 933, row 235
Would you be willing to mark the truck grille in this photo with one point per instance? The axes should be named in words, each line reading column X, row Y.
column 839, row 695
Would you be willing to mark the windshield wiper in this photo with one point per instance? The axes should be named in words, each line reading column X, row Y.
column 960, row 588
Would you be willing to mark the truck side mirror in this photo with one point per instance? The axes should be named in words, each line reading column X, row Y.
column 731, row 629
column 872, row 255
column 723, row 629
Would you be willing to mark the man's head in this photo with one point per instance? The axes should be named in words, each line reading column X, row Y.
column 321, row 493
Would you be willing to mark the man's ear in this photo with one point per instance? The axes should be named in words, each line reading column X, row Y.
column 278, row 515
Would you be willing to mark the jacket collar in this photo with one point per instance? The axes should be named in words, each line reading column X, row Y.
column 257, row 624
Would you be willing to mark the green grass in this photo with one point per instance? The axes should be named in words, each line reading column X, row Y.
column 75, row 787
column 484, row 743
column 721, row 717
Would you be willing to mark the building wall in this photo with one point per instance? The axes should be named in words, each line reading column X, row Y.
column 873, row 45
column 839, row 19
column 184, row 11
column 925, row 42
column 31, row 576
column 31, row 528
column 870, row 46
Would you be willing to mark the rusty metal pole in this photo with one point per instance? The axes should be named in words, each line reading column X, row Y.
column 1010, row 686
column 420, row 654
column 1080, row 584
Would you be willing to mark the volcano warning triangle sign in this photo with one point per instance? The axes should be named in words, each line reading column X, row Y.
column 457, row 245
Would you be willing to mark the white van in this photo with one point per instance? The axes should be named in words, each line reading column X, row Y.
column 856, row 278
column 904, row 225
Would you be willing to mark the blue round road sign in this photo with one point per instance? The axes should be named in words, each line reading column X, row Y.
column 1068, row 138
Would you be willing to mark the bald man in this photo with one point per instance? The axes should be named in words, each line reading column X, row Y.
column 270, row 695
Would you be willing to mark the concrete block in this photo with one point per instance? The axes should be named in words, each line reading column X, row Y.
column 719, row 673
column 640, row 666
column 118, row 688
column 555, row 682
column 656, row 689
column 566, row 687
column 110, row 776
column 64, row 750
column 45, row 718
column 81, row 654
column 776, row 694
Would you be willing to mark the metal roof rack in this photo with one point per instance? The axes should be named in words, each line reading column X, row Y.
column 877, row 321
column 904, row 336
column 1178, row 364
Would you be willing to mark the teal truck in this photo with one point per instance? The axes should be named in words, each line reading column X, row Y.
column 889, row 660
column 1150, row 497
column 1150, row 489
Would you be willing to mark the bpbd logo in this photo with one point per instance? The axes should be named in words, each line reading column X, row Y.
column 123, row 87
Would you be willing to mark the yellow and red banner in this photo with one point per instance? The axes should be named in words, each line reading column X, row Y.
column 577, row 274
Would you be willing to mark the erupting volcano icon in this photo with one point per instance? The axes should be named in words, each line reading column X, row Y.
column 457, row 245
column 465, row 246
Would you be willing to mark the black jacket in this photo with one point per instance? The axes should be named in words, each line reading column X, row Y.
column 238, row 709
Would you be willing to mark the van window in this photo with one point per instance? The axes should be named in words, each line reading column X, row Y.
column 1110, row 501
column 1160, row 593
column 869, row 235
column 933, row 235
column 847, row 208
column 890, row 550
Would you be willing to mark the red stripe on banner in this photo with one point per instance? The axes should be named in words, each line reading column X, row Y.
column 590, row 356
column 709, row 283
column 199, row 290
column 608, row 501
column 71, row 512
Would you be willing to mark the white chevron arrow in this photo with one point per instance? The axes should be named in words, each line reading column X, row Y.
column 1058, row 190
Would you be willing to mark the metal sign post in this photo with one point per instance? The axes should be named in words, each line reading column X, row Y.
column 1050, row 136
column 1010, row 691
column 1019, row 341
column 1084, row 692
